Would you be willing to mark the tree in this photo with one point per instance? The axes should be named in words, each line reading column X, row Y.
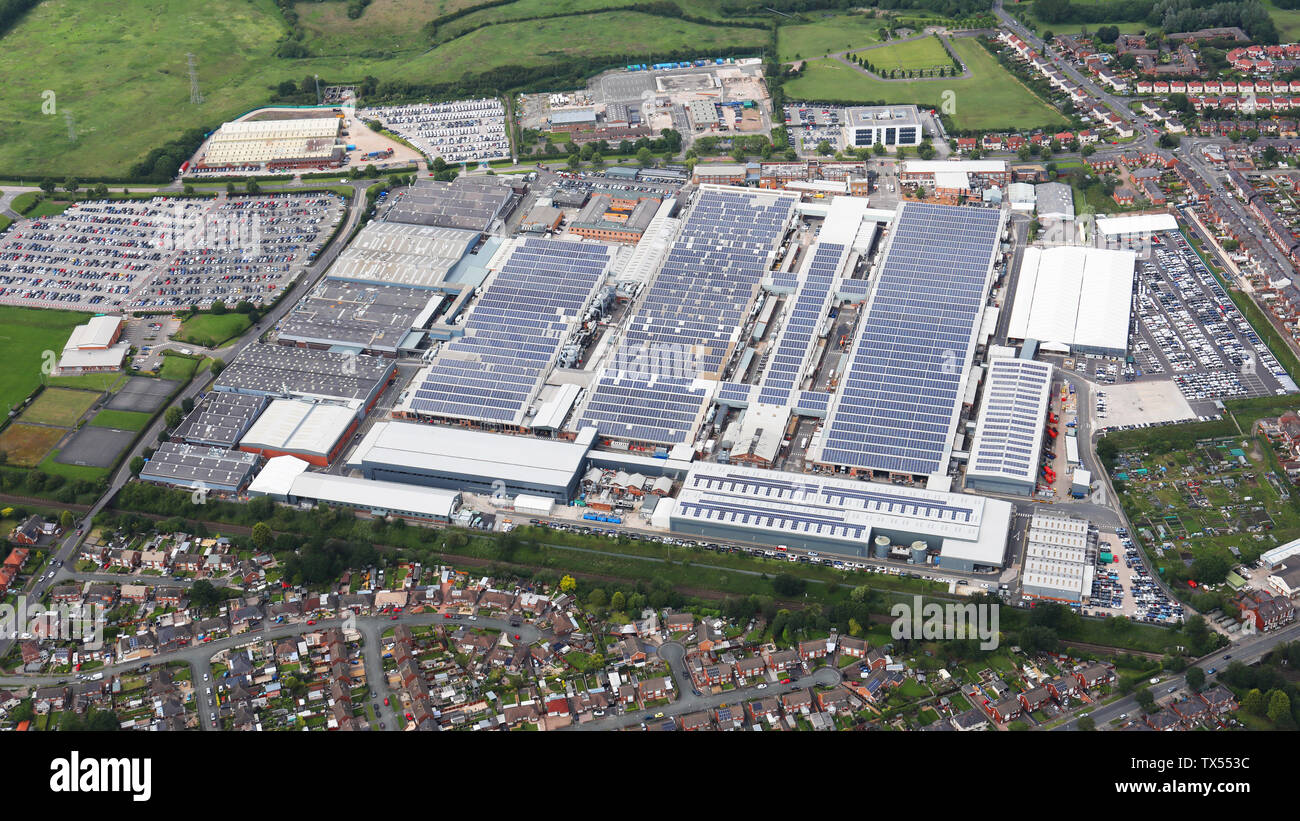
column 66, row 519
column 787, row 585
column 218, row 307
column 878, row 149
column 1145, row 699
column 252, row 187
column 1279, row 706
column 824, row 148
column 618, row 602
column 137, row 465
column 262, row 535
column 71, row 185
column 230, row 188
column 1087, row 724
column 204, row 594
column 218, row 366
column 644, row 158
column 597, row 161
column 596, row 598
column 243, row 306
column 47, row 185
column 173, row 416
column 1253, row 702
column 567, row 584
column 575, row 162
column 1107, row 34
column 1195, row 678
column 1023, row 153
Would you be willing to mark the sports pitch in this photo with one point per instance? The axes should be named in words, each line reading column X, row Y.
column 59, row 406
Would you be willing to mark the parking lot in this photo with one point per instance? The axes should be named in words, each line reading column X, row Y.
column 809, row 125
column 1124, row 587
column 164, row 252
column 1189, row 330
column 460, row 131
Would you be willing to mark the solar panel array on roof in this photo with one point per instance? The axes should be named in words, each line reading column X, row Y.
column 735, row 393
column 854, row 288
column 789, row 357
column 691, row 317
column 1010, row 428
column 900, row 396
column 514, row 332
column 219, row 420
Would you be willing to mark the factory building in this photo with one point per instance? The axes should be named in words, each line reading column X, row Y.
column 891, row 125
column 1058, row 562
column 1075, row 299
column 1010, row 429
column 459, row 459
column 199, row 467
column 286, row 479
column 314, row 432
column 844, row 517
column 275, row 144
column 94, row 348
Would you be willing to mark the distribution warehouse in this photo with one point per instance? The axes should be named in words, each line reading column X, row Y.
column 1075, row 299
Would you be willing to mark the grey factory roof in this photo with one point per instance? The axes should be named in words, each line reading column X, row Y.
column 577, row 115
column 469, row 203
column 369, row 317
column 1009, row 433
column 189, row 465
column 471, row 453
column 1055, row 200
column 220, row 419
column 394, row 253
column 593, row 215
column 881, row 115
column 285, row 371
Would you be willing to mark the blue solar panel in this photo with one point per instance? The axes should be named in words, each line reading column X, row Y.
column 790, row 355
column 514, row 332
column 898, row 398
column 686, row 326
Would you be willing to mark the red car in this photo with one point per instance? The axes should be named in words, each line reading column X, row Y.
column 516, row 637
column 446, row 615
column 311, row 621
column 394, row 617
column 785, row 681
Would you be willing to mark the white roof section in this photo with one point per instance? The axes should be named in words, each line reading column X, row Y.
column 254, row 141
column 1051, row 522
column 1281, row 553
column 951, row 179
column 801, row 504
column 1075, row 296
column 470, row 452
column 395, row 253
column 1019, row 192
column 1012, row 420
column 98, row 358
column 277, row 476
column 301, row 427
column 415, row 500
column 1140, row 224
column 97, row 333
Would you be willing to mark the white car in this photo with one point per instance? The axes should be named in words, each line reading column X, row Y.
column 473, row 618
column 761, row 687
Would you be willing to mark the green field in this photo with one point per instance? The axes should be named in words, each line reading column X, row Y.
column 839, row 33
column 175, row 366
column 25, row 445
column 991, row 99
column 910, row 55
column 25, row 333
column 1023, row 13
column 1286, row 20
column 210, row 330
column 122, row 420
column 59, row 406
column 110, row 66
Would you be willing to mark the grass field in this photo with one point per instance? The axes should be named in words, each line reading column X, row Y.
column 841, row 32
column 25, row 333
column 122, row 420
column 175, row 366
column 1023, row 12
column 991, row 99
column 91, row 381
column 59, row 406
column 210, row 330
column 25, row 445
column 48, row 208
column 1286, row 20
column 111, row 66
column 90, row 474
column 910, row 55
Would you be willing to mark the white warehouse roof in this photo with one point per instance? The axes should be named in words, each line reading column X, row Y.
column 302, row 427
column 786, row 504
column 1140, row 224
column 1075, row 296
column 395, row 497
column 1012, row 418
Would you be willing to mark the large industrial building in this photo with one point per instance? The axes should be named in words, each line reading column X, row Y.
column 286, row 479
column 902, row 391
column 888, row 125
column 1074, row 299
column 846, row 517
column 1058, row 562
column 199, row 467
column 380, row 320
column 300, row 373
column 312, row 431
column 219, row 420
column 1010, row 430
column 461, row 459
column 466, row 203
column 274, row 144
column 412, row 256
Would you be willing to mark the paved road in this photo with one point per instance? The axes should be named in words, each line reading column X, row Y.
column 1247, row 651
column 68, row 549
column 687, row 702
